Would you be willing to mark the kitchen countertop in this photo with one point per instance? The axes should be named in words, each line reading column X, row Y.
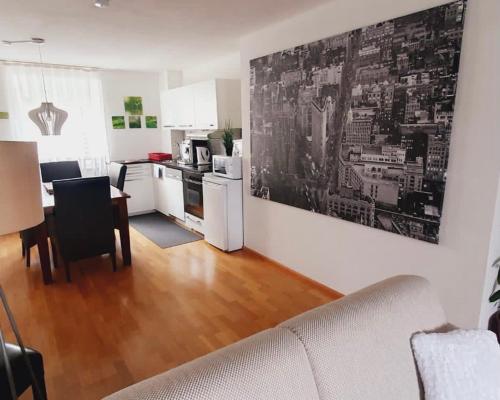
column 170, row 164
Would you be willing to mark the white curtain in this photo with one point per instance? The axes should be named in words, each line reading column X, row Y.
column 79, row 92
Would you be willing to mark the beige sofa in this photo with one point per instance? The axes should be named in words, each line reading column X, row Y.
column 354, row 348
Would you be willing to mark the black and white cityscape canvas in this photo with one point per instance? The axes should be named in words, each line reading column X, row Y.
column 358, row 126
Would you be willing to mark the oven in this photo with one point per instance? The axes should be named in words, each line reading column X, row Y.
column 193, row 193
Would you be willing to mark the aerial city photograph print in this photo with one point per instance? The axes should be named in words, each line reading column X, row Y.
column 358, row 126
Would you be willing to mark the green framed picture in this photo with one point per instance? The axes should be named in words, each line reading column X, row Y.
column 118, row 122
column 4, row 115
column 133, row 105
column 151, row 121
column 134, row 122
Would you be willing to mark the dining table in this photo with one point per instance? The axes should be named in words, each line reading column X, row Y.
column 118, row 199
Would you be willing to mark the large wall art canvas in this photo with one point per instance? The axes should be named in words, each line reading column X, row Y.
column 358, row 125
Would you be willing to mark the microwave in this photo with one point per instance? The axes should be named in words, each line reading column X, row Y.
column 227, row 167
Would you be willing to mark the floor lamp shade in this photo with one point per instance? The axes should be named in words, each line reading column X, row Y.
column 20, row 187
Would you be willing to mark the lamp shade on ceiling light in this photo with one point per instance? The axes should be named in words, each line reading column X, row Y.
column 49, row 119
column 21, row 199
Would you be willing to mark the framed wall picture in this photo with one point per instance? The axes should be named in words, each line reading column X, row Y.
column 134, row 122
column 133, row 105
column 118, row 122
column 151, row 121
column 357, row 126
column 4, row 115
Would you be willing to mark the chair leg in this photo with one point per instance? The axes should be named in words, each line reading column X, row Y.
column 42, row 389
column 28, row 256
column 40, row 379
column 54, row 253
column 66, row 268
column 113, row 260
column 23, row 250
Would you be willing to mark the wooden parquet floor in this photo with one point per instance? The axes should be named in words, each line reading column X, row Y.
column 105, row 331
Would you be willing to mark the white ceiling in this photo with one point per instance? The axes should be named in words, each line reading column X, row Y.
column 136, row 34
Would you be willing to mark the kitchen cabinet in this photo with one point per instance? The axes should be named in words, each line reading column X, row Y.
column 160, row 190
column 223, row 212
column 175, row 193
column 168, row 190
column 168, row 109
column 203, row 105
column 139, row 185
column 178, row 108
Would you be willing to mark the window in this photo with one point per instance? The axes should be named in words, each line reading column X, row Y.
column 76, row 91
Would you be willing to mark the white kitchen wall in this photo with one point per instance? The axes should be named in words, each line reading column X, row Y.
column 4, row 123
column 226, row 67
column 127, row 143
column 347, row 256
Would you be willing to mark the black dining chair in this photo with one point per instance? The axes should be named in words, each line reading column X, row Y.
column 83, row 217
column 21, row 374
column 117, row 173
column 28, row 240
column 52, row 171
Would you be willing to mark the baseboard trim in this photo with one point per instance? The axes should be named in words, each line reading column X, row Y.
column 276, row 264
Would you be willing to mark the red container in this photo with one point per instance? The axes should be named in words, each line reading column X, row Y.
column 159, row 156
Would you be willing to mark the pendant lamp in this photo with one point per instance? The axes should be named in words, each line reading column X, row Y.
column 47, row 117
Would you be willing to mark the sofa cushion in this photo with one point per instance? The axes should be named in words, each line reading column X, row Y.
column 270, row 365
column 458, row 365
column 359, row 346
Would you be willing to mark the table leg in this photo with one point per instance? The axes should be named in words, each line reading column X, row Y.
column 43, row 252
column 124, row 232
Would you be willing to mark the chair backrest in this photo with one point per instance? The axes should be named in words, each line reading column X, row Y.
column 117, row 173
column 52, row 171
column 83, row 217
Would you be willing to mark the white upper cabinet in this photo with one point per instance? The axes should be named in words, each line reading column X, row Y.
column 203, row 105
column 184, row 107
column 168, row 110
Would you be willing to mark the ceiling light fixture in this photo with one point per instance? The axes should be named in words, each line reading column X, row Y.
column 47, row 117
column 101, row 3
column 32, row 40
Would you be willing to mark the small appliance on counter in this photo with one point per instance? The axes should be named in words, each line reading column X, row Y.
column 202, row 155
column 159, row 156
column 186, row 150
column 223, row 212
column 227, row 167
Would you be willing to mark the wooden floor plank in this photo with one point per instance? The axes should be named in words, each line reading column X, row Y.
column 109, row 330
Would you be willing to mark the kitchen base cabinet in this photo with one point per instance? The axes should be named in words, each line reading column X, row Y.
column 175, row 193
column 168, row 190
column 194, row 223
column 139, row 185
column 160, row 192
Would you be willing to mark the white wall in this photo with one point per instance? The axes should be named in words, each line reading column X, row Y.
column 348, row 256
column 226, row 67
column 491, row 273
column 4, row 123
column 132, row 143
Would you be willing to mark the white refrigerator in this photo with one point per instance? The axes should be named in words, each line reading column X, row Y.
column 223, row 212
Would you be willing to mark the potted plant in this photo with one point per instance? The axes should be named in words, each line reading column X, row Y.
column 494, row 322
column 227, row 138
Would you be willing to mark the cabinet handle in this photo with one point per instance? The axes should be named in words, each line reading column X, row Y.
column 169, row 126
